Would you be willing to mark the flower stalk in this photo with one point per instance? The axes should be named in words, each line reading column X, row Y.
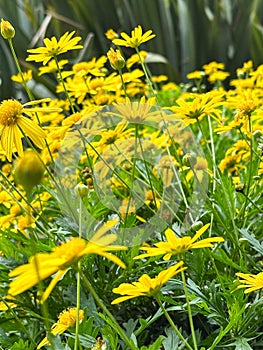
column 169, row 319
column 101, row 305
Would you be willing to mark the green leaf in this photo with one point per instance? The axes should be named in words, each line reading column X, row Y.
column 172, row 340
column 21, row 345
column 221, row 255
column 130, row 327
column 155, row 346
column 241, row 344
column 255, row 243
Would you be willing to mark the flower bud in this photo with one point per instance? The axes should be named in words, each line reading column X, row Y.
column 7, row 30
column 81, row 190
column 29, row 170
column 240, row 187
column 197, row 225
column 116, row 59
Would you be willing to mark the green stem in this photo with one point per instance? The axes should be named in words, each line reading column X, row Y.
column 148, row 175
column 133, row 173
column 101, row 305
column 166, row 314
column 64, row 86
column 76, row 344
column 214, row 169
column 219, row 180
column 10, row 42
column 123, row 83
column 189, row 311
column 30, row 95
column 249, row 172
column 40, row 286
column 212, row 152
column 147, row 76
column 178, row 181
column 251, row 202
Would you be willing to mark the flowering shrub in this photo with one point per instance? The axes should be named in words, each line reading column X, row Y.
column 107, row 188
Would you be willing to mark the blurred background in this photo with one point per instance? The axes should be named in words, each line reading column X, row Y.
column 190, row 33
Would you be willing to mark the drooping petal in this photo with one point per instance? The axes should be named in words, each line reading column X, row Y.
column 200, row 232
column 33, row 131
column 59, row 275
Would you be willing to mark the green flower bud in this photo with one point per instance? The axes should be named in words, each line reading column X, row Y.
column 116, row 59
column 197, row 225
column 81, row 190
column 240, row 187
column 29, row 170
column 7, row 30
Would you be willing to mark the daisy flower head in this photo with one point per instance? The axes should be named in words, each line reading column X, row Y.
column 52, row 67
column 251, row 282
column 16, row 124
column 26, row 77
column 111, row 34
column 138, row 112
column 195, row 75
column 136, row 38
column 147, row 286
column 66, row 319
column 178, row 245
column 59, row 261
column 212, row 67
column 54, row 47
column 198, row 106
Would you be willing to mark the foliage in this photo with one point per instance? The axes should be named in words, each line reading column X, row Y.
column 189, row 33
column 142, row 228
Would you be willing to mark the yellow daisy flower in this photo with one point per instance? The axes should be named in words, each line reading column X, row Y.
column 218, row 76
column 15, row 124
column 111, row 34
column 198, row 106
column 136, row 38
column 51, row 67
column 66, row 319
column 195, row 75
column 26, row 75
column 178, row 245
column 54, row 48
column 251, row 282
column 212, row 67
column 146, row 286
column 139, row 111
column 60, row 260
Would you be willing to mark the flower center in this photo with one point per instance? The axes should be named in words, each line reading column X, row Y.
column 10, row 111
column 70, row 251
column 182, row 246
